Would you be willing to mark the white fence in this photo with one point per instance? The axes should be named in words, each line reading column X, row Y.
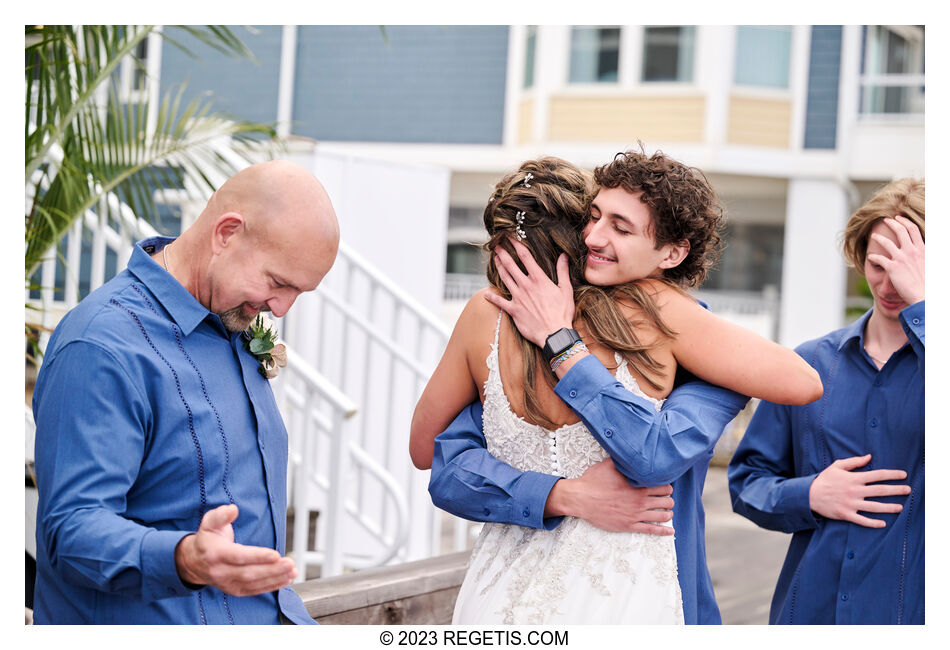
column 349, row 455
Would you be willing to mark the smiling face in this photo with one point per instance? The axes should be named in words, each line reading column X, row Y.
column 274, row 235
column 620, row 240
column 255, row 276
column 887, row 301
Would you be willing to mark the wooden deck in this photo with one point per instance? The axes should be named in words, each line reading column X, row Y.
column 744, row 562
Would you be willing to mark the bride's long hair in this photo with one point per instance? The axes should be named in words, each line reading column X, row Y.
column 548, row 201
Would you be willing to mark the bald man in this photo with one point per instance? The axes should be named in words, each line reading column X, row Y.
column 161, row 457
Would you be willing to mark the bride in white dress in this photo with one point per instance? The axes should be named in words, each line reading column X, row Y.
column 633, row 315
column 575, row 572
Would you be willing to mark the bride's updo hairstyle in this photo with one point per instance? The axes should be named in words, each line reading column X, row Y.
column 546, row 205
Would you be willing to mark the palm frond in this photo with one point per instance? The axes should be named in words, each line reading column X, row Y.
column 86, row 142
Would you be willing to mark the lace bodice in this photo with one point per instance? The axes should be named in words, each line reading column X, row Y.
column 567, row 452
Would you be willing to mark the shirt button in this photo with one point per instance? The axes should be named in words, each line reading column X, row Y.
column 608, row 433
column 850, row 555
column 486, row 511
column 844, row 596
column 916, row 321
column 525, row 513
column 573, row 393
column 873, row 422
column 877, row 381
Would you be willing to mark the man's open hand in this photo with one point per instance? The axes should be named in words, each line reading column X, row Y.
column 210, row 557
column 603, row 497
column 839, row 492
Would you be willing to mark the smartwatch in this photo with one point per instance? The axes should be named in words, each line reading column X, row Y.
column 558, row 342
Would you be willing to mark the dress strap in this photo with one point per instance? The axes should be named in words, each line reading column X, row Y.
column 621, row 361
column 497, row 328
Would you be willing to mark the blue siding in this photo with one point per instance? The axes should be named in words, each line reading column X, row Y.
column 824, row 71
column 241, row 88
column 428, row 84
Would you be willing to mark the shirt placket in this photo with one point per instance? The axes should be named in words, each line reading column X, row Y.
column 874, row 419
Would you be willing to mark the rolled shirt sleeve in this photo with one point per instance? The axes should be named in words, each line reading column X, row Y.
column 91, row 438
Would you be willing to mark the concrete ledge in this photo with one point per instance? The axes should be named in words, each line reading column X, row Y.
column 413, row 593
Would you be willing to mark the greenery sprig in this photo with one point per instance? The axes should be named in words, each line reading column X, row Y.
column 260, row 339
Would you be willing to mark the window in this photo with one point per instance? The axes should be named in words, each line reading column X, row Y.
column 762, row 55
column 892, row 80
column 531, row 41
column 668, row 53
column 133, row 81
column 465, row 258
column 595, row 54
column 751, row 260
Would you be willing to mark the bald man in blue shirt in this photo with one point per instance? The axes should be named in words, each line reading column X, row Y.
column 161, row 456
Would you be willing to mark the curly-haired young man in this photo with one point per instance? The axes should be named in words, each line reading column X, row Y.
column 650, row 208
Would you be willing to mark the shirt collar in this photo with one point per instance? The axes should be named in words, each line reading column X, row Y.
column 183, row 308
column 855, row 330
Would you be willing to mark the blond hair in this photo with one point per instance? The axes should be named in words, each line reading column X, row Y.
column 903, row 197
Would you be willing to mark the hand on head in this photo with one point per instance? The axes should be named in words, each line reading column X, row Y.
column 211, row 557
column 904, row 260
column 538, row 306
column 839, row 492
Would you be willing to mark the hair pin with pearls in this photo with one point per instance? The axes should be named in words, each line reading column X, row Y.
column 527, row 178
column 519, row 226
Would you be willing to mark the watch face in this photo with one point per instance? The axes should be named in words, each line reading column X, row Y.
column 560, row 341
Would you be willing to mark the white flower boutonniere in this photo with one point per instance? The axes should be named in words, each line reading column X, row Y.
column 261, row 340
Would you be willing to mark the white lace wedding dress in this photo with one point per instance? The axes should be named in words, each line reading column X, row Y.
column 575, row 573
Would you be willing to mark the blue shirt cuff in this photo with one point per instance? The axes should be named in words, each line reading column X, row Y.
column 912, row 318
column 795, row 495
column 160, row 575
column 531, row 494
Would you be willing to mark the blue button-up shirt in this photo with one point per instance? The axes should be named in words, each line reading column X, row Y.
column 650, row 448
column 148, row 414
column 836, row 571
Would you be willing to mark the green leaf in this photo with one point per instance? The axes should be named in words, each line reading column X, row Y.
column 257, row 346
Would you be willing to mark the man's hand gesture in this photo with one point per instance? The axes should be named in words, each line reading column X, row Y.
column 839, row 492
column 210, row 557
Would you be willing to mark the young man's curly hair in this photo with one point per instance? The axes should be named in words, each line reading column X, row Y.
column 682, row 203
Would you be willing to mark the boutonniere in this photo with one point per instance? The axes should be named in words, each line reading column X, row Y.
column 260, row 339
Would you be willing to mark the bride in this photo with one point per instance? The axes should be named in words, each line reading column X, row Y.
column 629, row 263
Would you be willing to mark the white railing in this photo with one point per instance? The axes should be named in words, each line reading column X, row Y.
column 462, row 286
column 314, row 409
column 379, row 345
column 758, row 310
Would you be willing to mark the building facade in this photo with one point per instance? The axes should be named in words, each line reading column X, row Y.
column 794, row 125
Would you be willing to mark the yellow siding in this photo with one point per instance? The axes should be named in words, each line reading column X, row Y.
column 760, row 122
column 587, row 119
column 526, row 121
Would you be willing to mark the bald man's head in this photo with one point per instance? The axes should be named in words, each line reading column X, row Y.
column 272, row 234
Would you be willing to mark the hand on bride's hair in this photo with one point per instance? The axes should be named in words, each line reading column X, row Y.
column 538, row 307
